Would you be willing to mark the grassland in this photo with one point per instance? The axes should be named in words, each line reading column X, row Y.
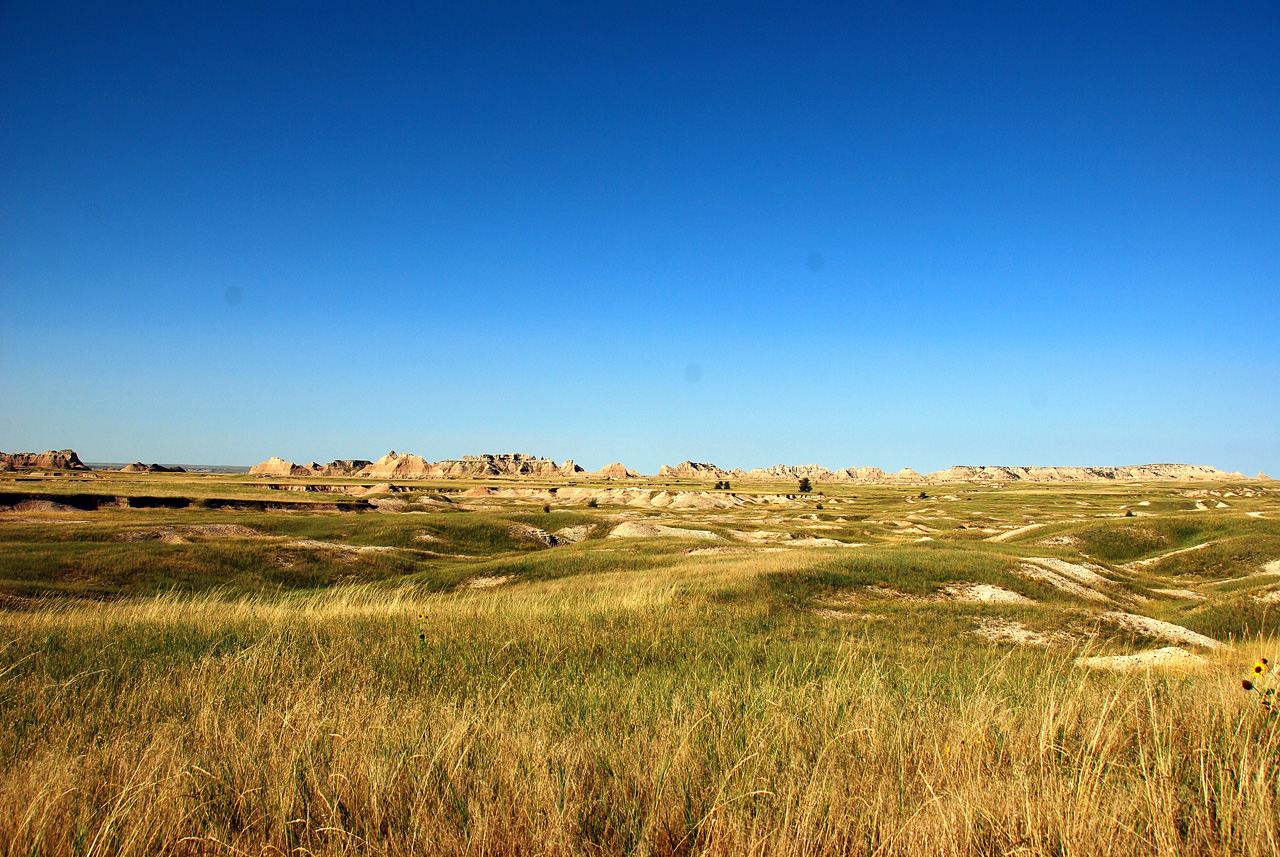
column 429, row 676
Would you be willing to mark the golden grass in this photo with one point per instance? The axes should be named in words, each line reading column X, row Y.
column 674, row 711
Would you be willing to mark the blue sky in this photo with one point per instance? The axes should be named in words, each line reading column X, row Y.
column 849, row 234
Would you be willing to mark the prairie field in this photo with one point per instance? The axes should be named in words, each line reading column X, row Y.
column 457, row 668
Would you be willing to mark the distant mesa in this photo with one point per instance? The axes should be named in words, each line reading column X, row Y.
column 63, row 459
column 1134, row 473
column 139, row 467
column 617, row 470
column 960, row 473
column 274, row 466
column 693, row 470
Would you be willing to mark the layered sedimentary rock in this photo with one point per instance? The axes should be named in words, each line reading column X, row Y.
column 693, row 470
column 340, row 467
column 274, row 466
column 617, row 470
column 139, row 467
column 1134, row 473
column 397, row 466
column 959, row 473
column 62, row 459
column 505, row 465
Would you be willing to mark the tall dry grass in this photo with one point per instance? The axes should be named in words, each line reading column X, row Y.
column 640, row 713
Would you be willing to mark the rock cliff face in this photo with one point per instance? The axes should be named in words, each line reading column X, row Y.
column 693, row 470
column 139, row 467
column 502, row 465
column 615, row 471
column 279, row 467
column 907, row 476
column 1135, row 473
column 340, row 467
column 394, row 466
column 63, row 459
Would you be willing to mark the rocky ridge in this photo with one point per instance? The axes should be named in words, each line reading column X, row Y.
column 394, row 465
column 139, row 467
column 397, row 466
column 62, row 459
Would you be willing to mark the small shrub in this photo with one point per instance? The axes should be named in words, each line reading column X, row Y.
column 592, row 503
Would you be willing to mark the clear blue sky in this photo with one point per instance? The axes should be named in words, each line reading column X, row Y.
column 884, row 234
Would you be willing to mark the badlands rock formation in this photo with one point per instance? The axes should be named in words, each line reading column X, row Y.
column 907, row 476
column 393, row 465
column 1136, row 473
column 615, row 471
column 693, row 470
column 396, row 466
column 341, row 467
column 274, row 466
column 63, row 459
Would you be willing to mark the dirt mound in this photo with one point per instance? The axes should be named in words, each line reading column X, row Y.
column 227, row 530
column 1167, row 630
column 985, row 593
column 642, row 530
column 1169, row 656
column 339, row 548
column 478, row 492
column 531, row 533
column 1014, row 533
column 1008, row 631
column 168, row 535
column 817, row 542
column 487, row 582
column 573, row 535
column 1062, row 540
column 761, row 536
column 1143, row 563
